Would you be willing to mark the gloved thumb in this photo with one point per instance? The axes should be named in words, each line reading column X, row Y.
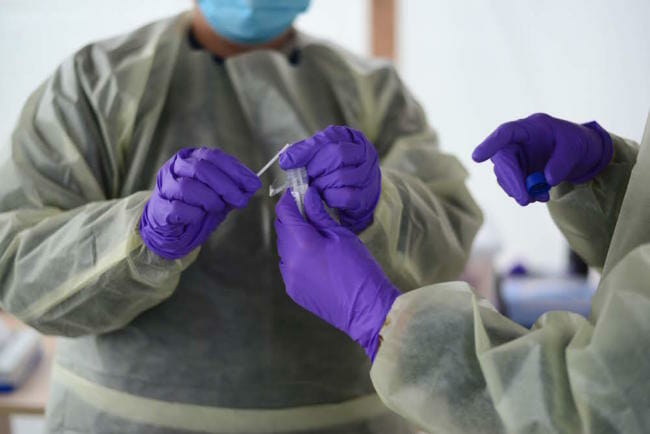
column 290, row 226
column 286, row 211
column 315, row 211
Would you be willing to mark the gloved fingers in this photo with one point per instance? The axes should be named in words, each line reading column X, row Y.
column 172, row 212
column 287, row 214
column 190, row 191
column 196, row 163
column 544, row 197
column 341, row 133
column 510, row 175
column 241, row 175
column 358, row 177
column 298, row 154
column 203, row 231
column 334, row 156
column 569, row 150
column 315, row 211
column 356, row 224
column 506, row 134
column 346, row 199
column 290, row 227
column 224, row 185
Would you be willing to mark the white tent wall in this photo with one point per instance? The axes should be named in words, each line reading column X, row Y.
column 477, row 63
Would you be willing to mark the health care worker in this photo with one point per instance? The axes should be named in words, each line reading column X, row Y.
column 447, row 360
column 130, row 224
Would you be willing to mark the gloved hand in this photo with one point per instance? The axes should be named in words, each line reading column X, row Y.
column 328, row 271
column 195, row 190
column 343, row 165
column 562, row 150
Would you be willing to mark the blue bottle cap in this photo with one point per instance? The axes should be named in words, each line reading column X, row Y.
column 536, row 184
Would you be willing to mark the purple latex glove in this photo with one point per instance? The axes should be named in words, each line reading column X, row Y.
column 328, row 271
column 343, row 165
column 562, row 150
column 195, row 190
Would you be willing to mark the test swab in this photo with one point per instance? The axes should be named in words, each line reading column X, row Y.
column 272, row 160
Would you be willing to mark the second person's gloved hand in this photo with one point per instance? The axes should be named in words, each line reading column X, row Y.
column 343, row 165
column 562, row 150
column 195, row 190
column 328, row 271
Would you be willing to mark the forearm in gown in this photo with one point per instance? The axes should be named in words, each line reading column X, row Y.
column 450, row 363
column 71, row 260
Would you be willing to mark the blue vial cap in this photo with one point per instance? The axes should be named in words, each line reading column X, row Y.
column 536, row 184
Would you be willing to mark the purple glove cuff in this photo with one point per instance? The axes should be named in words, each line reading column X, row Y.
column 375, row 318
column 149, row 238
column 176, row 242
column 607, row 151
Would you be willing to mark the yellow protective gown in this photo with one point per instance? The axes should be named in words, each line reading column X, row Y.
column 208, row 343
column 451, row 364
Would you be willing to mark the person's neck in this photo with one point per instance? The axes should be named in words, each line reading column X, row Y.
column 224, row 48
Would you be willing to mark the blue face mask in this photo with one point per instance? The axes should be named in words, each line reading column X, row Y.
column 251, row 21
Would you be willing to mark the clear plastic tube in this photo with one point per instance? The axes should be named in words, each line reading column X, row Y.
column 297, row 181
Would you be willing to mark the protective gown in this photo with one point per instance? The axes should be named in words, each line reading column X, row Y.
column 208, row 343
column 451, row 364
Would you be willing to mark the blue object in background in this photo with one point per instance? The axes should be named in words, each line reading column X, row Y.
column 20, row 353
column 536, row 184
column 525, row 299
column 518, row 270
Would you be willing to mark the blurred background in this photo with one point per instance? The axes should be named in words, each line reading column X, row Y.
column 472, row 64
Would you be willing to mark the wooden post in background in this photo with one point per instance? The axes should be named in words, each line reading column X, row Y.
column 383, row 30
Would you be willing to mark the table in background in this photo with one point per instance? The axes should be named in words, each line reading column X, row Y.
column 31, row 397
